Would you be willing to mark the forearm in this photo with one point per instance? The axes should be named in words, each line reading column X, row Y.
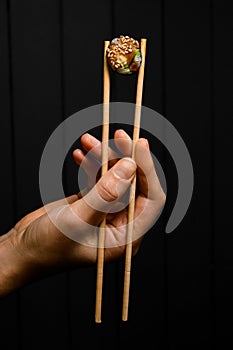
column 15, row 268
column 9, row 264
column 28, row 253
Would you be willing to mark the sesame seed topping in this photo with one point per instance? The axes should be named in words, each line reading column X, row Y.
column 121, row 51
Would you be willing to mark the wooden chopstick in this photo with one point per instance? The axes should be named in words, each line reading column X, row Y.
column 104, row 169
column 129, row 237
column 105, row 141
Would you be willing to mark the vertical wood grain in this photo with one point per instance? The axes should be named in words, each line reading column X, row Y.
column 86, row 25
column 51, row 67
column 222, row 12
column 146, row 304
column 188, row 108
column 37, row 111
column 9, row 320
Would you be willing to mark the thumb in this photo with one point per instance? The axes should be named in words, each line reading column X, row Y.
column 111, row 187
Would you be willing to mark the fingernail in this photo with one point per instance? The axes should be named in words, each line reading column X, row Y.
column 144, row 142
column 93, row 140
column 79, row 151
column 122, row 133
column 125, row 168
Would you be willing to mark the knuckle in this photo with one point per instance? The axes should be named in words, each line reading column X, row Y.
column 158, row 202
column 107, row 191
column 162, row 198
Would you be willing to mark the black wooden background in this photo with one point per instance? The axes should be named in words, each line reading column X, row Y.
column 51, row 66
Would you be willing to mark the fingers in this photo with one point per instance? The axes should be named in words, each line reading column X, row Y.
column 90, row 143
column 78, row 156
column 148, row 182
column 147, row 177
column 150, row 196
column 123, row 142
column 91, row 162
column 90, row 165
column 111, row 187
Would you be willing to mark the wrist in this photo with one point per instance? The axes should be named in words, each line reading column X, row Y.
column 15, row 266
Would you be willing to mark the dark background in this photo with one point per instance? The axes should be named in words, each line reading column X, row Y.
column 51, row 66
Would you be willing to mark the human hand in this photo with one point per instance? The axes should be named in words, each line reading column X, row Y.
column 38, row 246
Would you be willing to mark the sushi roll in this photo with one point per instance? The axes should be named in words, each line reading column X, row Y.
column 124, row 55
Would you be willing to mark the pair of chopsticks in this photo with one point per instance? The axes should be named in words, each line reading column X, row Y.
column 104, row 169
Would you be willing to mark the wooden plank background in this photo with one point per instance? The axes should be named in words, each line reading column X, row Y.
column 50, row 67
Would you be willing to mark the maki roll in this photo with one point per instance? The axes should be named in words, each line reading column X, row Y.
column 124, row 55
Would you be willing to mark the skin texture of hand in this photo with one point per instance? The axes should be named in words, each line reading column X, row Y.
column 36, row 247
